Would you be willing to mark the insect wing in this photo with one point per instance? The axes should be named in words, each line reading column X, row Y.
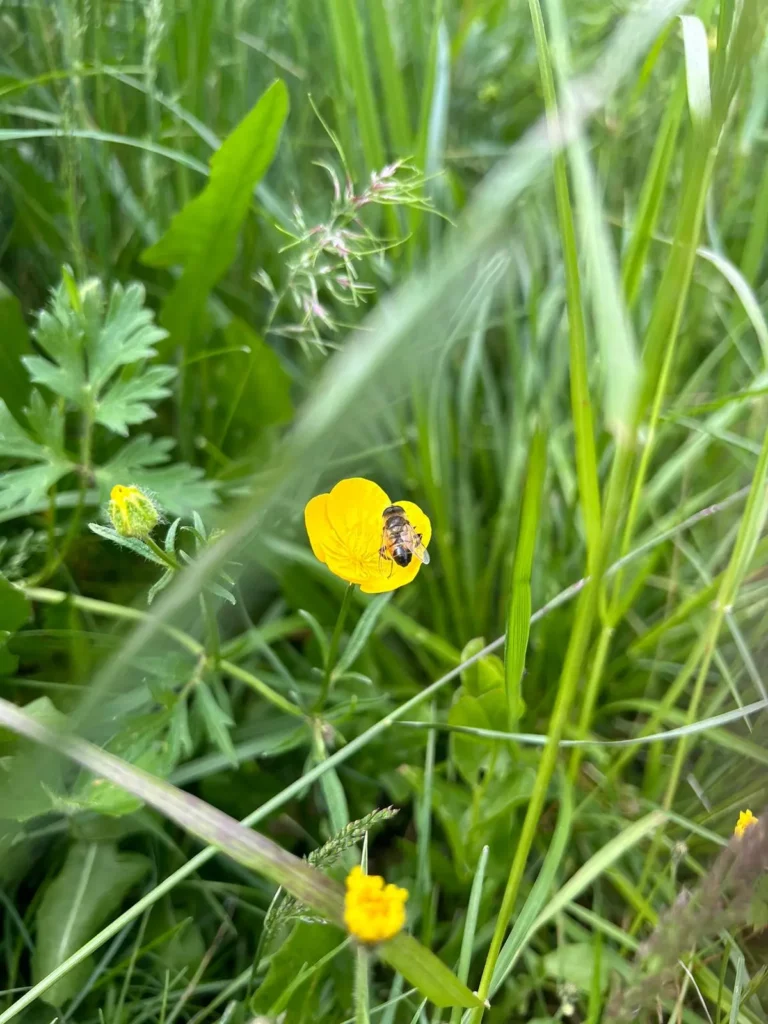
column 416, row 546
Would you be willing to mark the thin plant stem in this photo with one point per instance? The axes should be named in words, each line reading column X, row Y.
column 361, row 986
column 170, row 560
column 333, row 650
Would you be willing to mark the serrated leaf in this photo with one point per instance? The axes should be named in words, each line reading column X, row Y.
column 28, row 487
column 47, row 422
column 178, row 488
column 15, row 442
column 126, row 401
column 132, row 543
column 203, row 235
column 88, row 889
column 127, row 335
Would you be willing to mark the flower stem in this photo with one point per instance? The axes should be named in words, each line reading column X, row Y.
column 333, row 650
column 169, row 560
column 361, row 986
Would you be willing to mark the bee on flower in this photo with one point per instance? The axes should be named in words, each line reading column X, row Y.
column 373, row 911
column 365, row 538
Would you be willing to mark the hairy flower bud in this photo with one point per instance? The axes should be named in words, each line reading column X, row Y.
column 132, row 512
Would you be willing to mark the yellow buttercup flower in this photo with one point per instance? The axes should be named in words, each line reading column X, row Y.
column 373, row 911
column 345, row 531
column 132, row 512
column 746, row 820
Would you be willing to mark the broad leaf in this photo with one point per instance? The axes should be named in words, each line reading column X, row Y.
column 88, row 889
column 203, row 235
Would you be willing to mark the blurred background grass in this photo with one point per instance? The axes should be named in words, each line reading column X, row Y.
column 591, row 318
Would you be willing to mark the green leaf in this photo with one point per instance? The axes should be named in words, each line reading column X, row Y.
column 88, row 889
column 30, row 783
column 203, row 235
column 15, row 442
column 178, row 488
column 126, row 402
column 361, row 633
column 697, row 68
column 88, row 341
column 15, row 609
column 427, row 973
column 127, row 335
column 255, row 392
column 519, row 616
column 470, row 753
column 29, row 486
column 132, row 543
column 483, row 675
column 217, row 722
column 576, row 964
column 14, row 384
column 306, row 944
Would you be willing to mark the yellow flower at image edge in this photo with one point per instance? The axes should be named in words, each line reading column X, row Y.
column 132, row 512
column 373, row 911
column 345, row 531
column 746, row 820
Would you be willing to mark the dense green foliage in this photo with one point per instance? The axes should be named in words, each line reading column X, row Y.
column 507, row 261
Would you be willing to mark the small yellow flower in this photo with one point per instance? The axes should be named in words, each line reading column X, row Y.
column 132, row 512
column 373, row 911
column 345, row 530
column 746, row 820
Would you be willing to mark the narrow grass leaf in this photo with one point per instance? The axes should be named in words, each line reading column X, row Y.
column 523, row 927
column 697, row 68
column 519, row 616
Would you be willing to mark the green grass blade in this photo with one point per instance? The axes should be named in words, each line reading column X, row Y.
column 519, row 616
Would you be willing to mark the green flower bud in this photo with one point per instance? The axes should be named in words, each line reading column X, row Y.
column 132, row 512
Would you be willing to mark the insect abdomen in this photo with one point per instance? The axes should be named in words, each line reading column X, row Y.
column 401, row 555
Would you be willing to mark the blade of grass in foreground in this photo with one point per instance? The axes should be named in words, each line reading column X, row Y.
column 414, row 961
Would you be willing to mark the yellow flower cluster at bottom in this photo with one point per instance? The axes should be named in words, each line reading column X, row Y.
column 373, row 911
column 746, row 820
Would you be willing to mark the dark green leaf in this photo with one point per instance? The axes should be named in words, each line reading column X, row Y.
column 14, row 607
column 14, row 384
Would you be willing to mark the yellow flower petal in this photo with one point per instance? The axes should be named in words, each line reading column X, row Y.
column 373, row 911
column 746, row 820
column 318, row 524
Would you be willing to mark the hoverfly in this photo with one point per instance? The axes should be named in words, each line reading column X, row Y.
column 399, row 540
